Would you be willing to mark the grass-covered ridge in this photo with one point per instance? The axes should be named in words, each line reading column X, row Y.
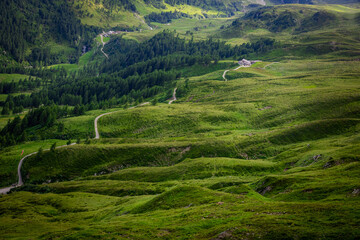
column 282, row 147
column 305, row 29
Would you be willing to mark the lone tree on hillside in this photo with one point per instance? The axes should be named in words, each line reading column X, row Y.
column 154, row 101
column 39, row 153
column 53, row 147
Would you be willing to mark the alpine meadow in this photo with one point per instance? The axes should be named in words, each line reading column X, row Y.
column 180, row 119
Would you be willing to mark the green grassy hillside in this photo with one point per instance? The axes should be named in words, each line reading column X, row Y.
column 320, row 28
column 269, row 151
column 226, row 159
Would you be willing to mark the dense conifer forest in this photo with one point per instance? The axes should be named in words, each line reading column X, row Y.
column 29, row 24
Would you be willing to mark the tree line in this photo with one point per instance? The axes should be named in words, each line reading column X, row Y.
column 164, row 17
column 20, row 86
column 18, row 130
column 134, row 70
column 124, row 53
column 230, row 7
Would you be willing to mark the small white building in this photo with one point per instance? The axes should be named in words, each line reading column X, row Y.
column 244, row 62
column 247, row 63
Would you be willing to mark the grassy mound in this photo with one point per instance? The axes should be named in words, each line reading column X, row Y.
column 195, row 169
column 169, row 122
column 181, row 197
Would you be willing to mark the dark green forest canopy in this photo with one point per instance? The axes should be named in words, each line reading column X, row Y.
column 164, row 17
column 230, row 7
column 29, row 24
column 278, row 19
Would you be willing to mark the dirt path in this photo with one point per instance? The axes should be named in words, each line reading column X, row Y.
column 224, row 75
column 103, row 45
column 97, row 136
column 269, row 65
column 173, row 97
column 6, row 190
column 241, row 67
column 142, row 20
column 20, row 181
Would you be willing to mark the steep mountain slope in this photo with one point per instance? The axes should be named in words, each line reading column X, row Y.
column 304, row 29
column 40, row 31
column 48, row 33
column 294, row 19
column 270, row 148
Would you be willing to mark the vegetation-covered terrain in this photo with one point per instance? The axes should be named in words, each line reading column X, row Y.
column 267, row 151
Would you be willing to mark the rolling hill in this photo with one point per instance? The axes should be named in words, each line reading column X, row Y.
column 156, row 130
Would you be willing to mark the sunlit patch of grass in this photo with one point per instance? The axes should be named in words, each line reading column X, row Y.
column 12, row 77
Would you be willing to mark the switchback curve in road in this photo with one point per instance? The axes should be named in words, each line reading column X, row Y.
column 224, row 74
column 103, row 45
column 97, row 136
column 20, row 181
column 173, row 97
column 269, row 64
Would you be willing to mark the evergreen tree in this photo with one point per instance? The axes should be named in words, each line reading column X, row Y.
column 53, row 147
column 39, row 154
column 154, row 102
column 5, row 110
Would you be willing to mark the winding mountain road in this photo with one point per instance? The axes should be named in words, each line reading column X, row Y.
column 173, row 97
column 20, row 181
column 142, row 20
column 97, row 136
column 6, row 190
column 103, row 45
column 269, row 64
column 224, row 75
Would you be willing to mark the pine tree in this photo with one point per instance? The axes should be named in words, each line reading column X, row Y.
column 61, row 127
column 5, row 110
column 23, row 137
column 53, row 147
column 154, row 102
column 39, row 154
